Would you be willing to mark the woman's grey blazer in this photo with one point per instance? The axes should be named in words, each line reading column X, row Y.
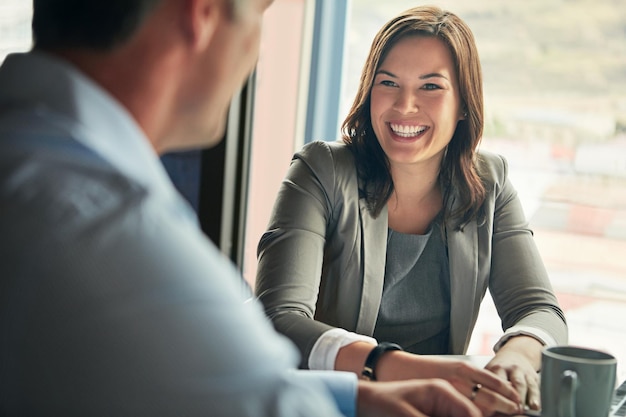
column 322, row 259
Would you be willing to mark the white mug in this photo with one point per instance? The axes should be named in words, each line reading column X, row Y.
column 576, row 382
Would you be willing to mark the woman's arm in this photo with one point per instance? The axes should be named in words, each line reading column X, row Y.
column 521, row 290
column 291, row 251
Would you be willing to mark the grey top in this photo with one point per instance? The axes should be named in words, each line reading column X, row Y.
column 415, row 306
column 322, row 258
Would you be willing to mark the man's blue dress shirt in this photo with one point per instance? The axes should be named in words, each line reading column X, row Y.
column 112, row 301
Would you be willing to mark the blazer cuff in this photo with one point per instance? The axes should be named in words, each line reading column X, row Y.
column 541, row 335
column 326, row 347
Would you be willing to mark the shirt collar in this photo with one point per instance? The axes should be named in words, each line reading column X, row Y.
column 93, row 117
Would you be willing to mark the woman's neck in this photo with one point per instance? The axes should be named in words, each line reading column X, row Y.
column 416, row 199
column 412, row 182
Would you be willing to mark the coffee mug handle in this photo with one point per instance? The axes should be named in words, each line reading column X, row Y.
column 567, row 395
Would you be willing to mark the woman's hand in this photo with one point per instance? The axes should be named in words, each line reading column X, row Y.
column 518, row 361
column 413, row 398
column 491, row 393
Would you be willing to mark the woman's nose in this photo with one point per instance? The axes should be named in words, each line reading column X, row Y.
column 406, row 102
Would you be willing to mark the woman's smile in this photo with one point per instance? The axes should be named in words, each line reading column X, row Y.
column 407, row 131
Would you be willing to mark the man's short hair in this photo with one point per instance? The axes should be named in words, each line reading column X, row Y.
column 92, row 24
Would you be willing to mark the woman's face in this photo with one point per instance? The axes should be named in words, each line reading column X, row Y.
column 415, row 101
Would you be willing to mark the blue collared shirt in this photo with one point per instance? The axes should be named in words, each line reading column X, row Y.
column 112, row 301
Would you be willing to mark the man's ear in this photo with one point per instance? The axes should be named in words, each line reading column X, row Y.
column 201, row 19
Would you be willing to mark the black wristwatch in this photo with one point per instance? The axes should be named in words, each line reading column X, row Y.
column 369, row 372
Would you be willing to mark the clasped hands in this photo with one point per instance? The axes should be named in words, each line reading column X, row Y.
column 508, row 383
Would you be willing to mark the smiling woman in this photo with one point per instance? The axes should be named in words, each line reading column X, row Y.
column 415, row 109
column 555, row 107
column 405, row 225
column 415, row 94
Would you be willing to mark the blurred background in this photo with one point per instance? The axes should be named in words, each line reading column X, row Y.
column 555, row 101
column 555, row 104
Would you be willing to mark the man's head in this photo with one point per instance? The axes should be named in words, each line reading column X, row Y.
column 97, row 25
column 174, row 64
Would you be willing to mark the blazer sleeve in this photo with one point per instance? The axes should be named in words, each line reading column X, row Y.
column 291, row 251
column 518, row 282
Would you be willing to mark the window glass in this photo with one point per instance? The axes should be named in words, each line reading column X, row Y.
column 278, row 121
column 555, row 102
column 15, row 32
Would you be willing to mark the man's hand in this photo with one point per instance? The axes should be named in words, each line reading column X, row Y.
column 413, row 398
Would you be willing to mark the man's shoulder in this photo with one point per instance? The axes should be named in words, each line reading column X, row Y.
column 54, row 180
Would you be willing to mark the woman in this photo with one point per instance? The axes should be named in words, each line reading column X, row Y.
column 396, row 233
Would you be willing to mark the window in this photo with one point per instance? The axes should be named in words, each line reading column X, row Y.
column 555, row 101
column 15, row 32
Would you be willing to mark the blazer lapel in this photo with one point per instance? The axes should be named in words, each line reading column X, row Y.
column 374, row 248
column 463, row 260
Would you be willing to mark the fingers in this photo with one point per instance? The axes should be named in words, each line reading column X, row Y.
column 494, row 382
column 518, row 380
column 475, row 390
column 490, row 393
column 413, row 398
column 524, row 380
column 534, row 398
column 490, row 402
column 450, row 402
column 499, row 371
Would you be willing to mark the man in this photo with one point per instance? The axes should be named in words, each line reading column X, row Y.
column 112, row 302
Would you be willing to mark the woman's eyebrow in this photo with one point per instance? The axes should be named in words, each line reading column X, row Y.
column 386, row 73
column 433, row 75
column 421, row 77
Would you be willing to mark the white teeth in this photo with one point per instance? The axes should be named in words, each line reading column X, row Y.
column 406, row 131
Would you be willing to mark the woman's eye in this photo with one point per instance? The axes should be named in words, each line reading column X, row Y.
column 430, row 86
column 388, row 83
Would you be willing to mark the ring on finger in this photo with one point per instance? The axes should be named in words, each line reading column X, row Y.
column 475, row 390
